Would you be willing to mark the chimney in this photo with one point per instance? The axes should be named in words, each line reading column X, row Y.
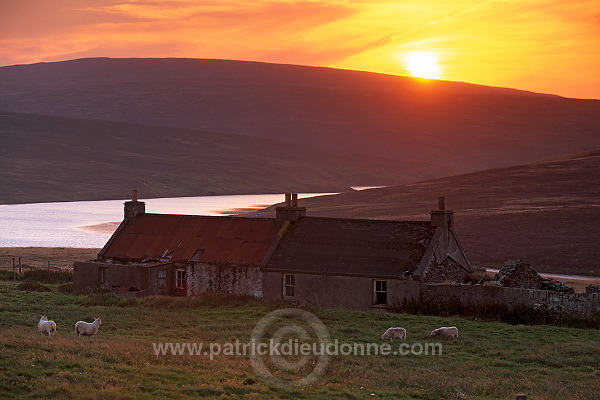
column 442, row 217
column 134, row 207
column 290, row 210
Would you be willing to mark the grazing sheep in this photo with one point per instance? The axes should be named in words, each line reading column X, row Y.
column 46, row 327
column 447, row 331
column 86, row 328
column 394, row 333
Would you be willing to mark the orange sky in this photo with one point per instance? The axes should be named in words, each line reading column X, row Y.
column 549, row 46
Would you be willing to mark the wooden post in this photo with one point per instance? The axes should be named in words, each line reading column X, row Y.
column 520, row 396
column 20, row 267
column 14, row 270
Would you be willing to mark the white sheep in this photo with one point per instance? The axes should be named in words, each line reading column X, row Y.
column 46, row 327
column 86, row 328
column 394, row 333
column 447, row 331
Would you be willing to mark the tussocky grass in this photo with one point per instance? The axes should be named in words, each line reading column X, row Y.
column 490, row 360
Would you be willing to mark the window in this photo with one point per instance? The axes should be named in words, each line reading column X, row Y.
column 180, row 280
column 288, row 285
column 162, row 278
column 380, row 295
column 103, row 275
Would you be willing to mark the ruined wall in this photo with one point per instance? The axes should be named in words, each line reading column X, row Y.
column 169, row 281
column 328, row 291
column 356, row 293
column 478, row 294
column 128, row 276
column 234, row 279
column 86, row 275
column 444, row 260
column 448, row 271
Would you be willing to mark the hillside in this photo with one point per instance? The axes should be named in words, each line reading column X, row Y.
column 61, row 159
column 462, row 126
column 545, row 213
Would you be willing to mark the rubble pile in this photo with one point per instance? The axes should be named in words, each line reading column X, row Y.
column 593, row 288
column 518, row 274
column 556, row 286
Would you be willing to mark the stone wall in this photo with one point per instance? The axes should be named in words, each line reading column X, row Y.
column 86, row 275
column 233, row 279
column 348, row 292
column 337, row 291
column 154, row 287
column 446, row 271
column 356, row 293
column 326, row 291
column 478, row 294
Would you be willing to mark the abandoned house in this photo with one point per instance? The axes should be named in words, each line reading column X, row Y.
column 328, row 262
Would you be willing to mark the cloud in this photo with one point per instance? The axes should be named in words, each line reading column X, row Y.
column 160, row 10
column 501, row 42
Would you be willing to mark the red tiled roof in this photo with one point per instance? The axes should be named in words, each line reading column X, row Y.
column 222, row 239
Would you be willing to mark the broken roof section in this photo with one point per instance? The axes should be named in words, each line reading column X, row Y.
column 352, row 247
column 207, row 239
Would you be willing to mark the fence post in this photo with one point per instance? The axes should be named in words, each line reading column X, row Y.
column 520, row 396
column 14, row 271
column 20, row 268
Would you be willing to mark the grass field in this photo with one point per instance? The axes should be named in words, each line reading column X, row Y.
column 58, row 257
column 488, row 361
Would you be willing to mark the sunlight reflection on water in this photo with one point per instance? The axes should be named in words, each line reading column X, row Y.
column 67, row 224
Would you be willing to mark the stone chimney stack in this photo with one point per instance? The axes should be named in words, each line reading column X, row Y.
column 134, row 207
column 442, row 217
column 290, row 210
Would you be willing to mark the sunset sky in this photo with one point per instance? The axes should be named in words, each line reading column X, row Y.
column 549, row 46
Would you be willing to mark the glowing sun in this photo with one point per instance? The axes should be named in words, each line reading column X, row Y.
column 422, row 64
